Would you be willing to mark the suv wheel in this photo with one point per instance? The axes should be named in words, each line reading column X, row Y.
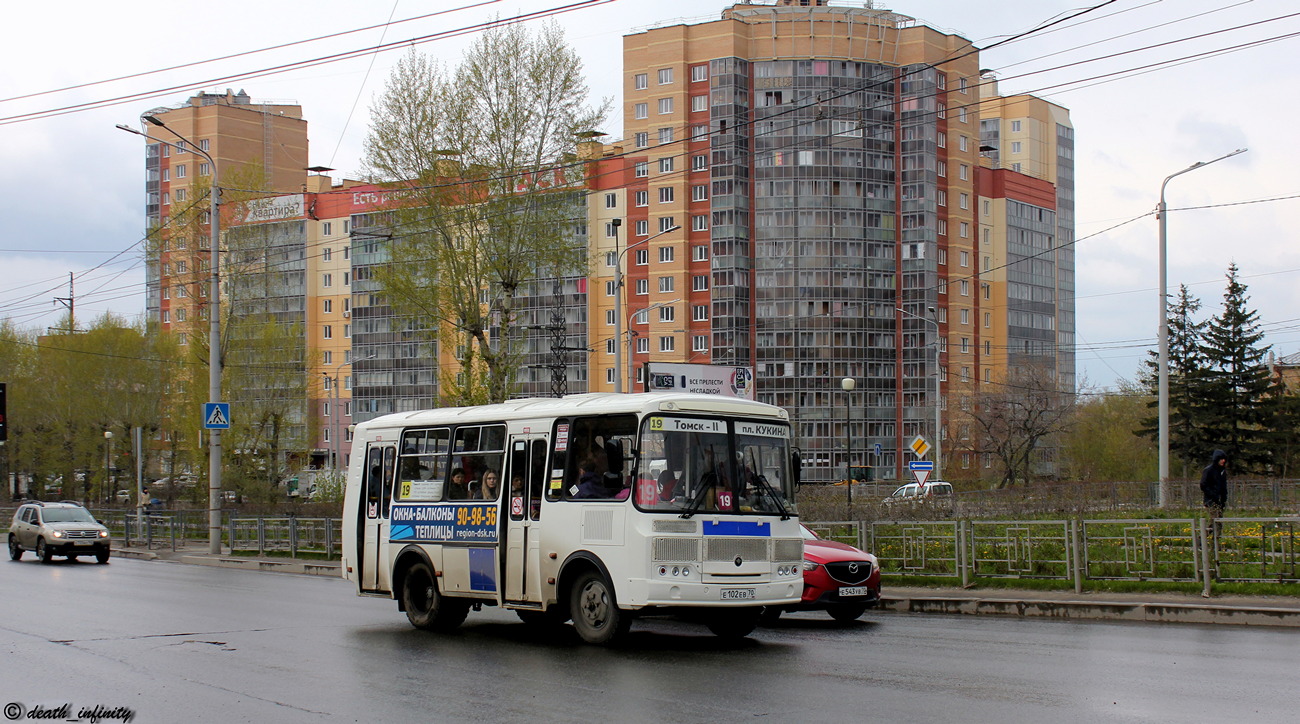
column 102, row 556
column 43, row 551
column 15, row 550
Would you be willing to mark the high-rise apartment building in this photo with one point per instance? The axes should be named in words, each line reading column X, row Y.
column 799, row 191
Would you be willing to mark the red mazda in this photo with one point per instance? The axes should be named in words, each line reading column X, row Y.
column 837, row 578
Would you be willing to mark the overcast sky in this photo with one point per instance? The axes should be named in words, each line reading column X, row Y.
column 72, row 186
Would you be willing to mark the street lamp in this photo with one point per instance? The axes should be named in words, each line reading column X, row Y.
column 631, row 334
column 108, row 465
column 338, row 413
column 1163, row 365
column 847, row 384
column 938, row 431
column 618, row 300
column 214, row 329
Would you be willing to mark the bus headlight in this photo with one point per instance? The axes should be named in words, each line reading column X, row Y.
column 674, row 571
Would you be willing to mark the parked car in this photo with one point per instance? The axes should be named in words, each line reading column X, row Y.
column 57, row 529
column 837, row 578
column 913, row 493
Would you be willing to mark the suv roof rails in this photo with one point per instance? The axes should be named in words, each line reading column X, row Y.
column 72, row 502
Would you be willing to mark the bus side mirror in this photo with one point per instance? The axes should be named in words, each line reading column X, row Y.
column 614, row 453
column 796, row 467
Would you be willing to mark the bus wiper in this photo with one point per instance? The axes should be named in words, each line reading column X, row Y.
column 771, row 493
column 694, row 506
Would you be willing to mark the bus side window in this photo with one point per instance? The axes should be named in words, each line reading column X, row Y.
column 374, row 480
column 390, row 470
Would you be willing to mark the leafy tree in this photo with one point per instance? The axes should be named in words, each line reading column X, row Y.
column 1187, row 377
column 1016, row 423
column 1237, row 405
column 1284, row 437
column 1101, row 445
column 485, row 157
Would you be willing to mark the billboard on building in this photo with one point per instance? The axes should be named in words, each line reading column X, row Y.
column 703, row 379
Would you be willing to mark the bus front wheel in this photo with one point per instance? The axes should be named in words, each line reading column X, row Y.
column 425, row 607
column 594, row 611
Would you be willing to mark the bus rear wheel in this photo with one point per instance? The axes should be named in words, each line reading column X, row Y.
column 595, row 612
column 425, row 607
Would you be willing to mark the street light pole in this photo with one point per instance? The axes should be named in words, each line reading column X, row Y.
column 108, row 466
column 214, row 329
column 938, row 429
column 618, row 305
column 847, row 384
column 1163, row 364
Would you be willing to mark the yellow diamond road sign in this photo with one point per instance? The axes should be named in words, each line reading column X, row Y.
column 920, row 446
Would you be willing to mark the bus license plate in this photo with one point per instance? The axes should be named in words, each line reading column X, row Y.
column 738, row 594
column 855, row 591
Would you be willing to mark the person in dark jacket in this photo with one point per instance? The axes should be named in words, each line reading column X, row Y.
column 1214, row 483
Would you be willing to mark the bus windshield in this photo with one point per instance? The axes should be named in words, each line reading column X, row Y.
column 692, row 465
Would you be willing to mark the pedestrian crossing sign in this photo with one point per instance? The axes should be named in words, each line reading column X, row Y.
column 216, row 415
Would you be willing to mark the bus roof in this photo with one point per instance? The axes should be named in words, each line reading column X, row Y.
column 593, row 403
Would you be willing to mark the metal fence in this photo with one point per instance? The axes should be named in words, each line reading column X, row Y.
column 1187, row 550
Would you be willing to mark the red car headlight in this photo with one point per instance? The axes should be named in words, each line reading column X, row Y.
column 809, row 566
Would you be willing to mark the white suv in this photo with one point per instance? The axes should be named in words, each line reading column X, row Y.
column 57, row 529
column 935, row 491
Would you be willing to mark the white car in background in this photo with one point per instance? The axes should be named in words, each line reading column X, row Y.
column 913, row 493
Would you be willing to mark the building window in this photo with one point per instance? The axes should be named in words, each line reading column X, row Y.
column 610, row 289
column 964, row 287
column 665, row 106
column 641, row 110
column 641, row 81
column 642, row 139
column 666, row 344
column 609, row 375
column 941, row 168
column 665, row 194
column 699, row 163
column 1015, row 148
column 641, row 169
column 964, row 258
column 964, row 230
column 700, row 343
column 180, row 194
column 643, row 344
column 941, row 197
column 699, row 104
column 642, row 287
column 166, row 316
column 962, row 143
column 611, row 230
column 326, row 229
column 643, row 198
column 700, row 253
column 700, row 222
column 665, row 254
column 665, row 135
column 700, row 283
column 347, row 278
column 666, row 165
column 942, row 140
column 700, row 313
column 963, row 172
column 327, row 306
column 327, row 280
column 1015, row 126
column 610, row 317
column 965, row 316
column 611, row 201
column 666, row 223
column 327, row 332
column 203, row 144
column 700, row 193
column 205, row 169
column 642, row 227
column 961, row 114
column 988, row 322
column 180, row 171
column 665, row 284
column 965, row 346
column 699, row 73
column 667, row 314
column 166, row 198
column 167, row 174
column 642, row 257
column 987, row 206
column 700, row 131
column 665, row 76
column 942, row 111
column 347, row 331
column 941, row 226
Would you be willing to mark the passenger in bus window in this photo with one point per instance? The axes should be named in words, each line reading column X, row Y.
column 457, row 490
column 490, row 485
column 517, row 486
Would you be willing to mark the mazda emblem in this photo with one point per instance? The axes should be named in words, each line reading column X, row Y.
column 853, row 568
column 738, row 561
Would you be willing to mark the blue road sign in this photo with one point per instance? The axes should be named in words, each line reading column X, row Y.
column 877, row 449
column 921, row 465
column 216, row 415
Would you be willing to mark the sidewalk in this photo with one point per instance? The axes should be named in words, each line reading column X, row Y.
column 1145, row 607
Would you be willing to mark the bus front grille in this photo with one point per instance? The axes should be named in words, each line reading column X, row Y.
column 676, row 550
column 726, row 549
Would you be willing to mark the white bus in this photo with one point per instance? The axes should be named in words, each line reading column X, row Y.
column 596, row 508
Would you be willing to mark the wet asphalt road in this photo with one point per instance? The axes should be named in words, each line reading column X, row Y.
column 178, row 643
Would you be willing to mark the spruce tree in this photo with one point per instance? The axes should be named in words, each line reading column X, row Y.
column 1237, row 407
column 1187, row 377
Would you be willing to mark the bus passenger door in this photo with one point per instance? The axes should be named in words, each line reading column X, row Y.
column 523, row 507
column 377, row 493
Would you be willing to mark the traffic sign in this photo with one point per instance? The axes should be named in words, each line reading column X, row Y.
column 216, row 415
column 926, row 465
column 920, row 446
column 921, row 476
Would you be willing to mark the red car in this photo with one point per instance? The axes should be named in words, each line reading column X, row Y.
column 837, row 578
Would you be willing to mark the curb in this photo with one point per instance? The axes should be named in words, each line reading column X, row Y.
column 310, row 568
column 1096, row 610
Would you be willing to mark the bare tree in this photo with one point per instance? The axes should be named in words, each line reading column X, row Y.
column 1015, row 422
